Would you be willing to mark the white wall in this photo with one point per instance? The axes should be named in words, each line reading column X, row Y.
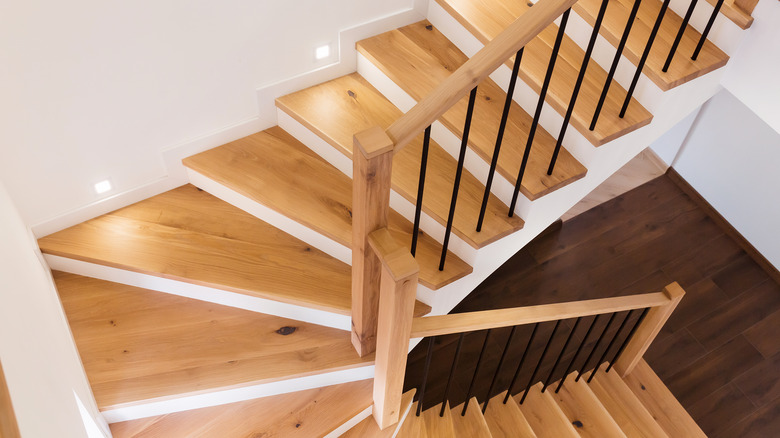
column 98, row 89
column 731, row 157
column 39, row 357
column 753, row 73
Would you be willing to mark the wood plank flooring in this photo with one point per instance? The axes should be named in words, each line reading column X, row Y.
column 487, row 18
column 719, row 349
column 138, row 344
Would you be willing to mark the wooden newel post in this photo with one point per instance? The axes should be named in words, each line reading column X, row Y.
column 372, row 159
column 646, row 333
column 396, row 307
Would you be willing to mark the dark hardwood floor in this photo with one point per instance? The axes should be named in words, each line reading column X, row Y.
column 720, row 351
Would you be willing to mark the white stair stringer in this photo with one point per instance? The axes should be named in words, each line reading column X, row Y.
column 202, row 293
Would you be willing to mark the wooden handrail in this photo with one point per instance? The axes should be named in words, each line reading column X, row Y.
column 465, row 322
column 476, row 69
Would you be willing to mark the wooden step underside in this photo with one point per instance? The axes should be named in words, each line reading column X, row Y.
column 682, row 69
column 188, row 235
column 276, row 170
column 304, row 414
column 138, row 344
column 418, row 57
column 337, row 109
column 485, row 19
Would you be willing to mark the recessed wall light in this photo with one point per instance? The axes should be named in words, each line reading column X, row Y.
column 102, row 187
column 322, row 52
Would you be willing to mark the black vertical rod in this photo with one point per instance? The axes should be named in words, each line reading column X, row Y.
column 420, row 188
column 541, row 359
column 560, row 355
column 498, row 368
column 679, row 36
column 425, row 375
column 628, row 338
column 463, row 145
column 539, row 106
column 522, row 361
column 615, row 62
column 609, row 347
column 595, row 347
column 452, row 373
column 645, row 54
column 500, row 137
column 476, row 372
column 577, row 354
column 707, row 30
column 578, row 84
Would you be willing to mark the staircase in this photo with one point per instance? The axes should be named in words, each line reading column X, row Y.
column 228, row 306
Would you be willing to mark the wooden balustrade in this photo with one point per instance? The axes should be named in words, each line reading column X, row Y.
column 398, row 290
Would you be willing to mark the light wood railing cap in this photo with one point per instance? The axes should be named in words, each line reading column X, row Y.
column 372, row 142
column 674, row 291
column 394, row 256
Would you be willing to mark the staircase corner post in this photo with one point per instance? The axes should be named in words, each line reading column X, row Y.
column 398, row 291
column 647, row 332
column 372, row 159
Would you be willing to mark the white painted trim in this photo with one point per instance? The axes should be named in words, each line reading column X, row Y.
column 203, row 293
column 325, row 150
column 278, row 220
column 175, row 177
column 337, row 432
column 185, row 402
column 405, row 415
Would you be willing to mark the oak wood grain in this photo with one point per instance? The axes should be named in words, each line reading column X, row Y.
column 544, row 415
column 584, row 410
column 487, row 18
column 8, row 426
column 369, row 429
column 507, row 420
column 472, row 424
column 436, row 426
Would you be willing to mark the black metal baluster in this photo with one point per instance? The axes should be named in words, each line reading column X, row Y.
column 425, row 375
column 615, row 61
column 420, row 188
column 463, row 145
column 578, row 84
column 498, row 368
column 541, row 359
column 679, row 36
column 476, row 371
column 628, row 338
column 596, row 346
column 609, row 347
column 452, row 373
column 577, row 354
column 500, row 137
column 522, row 361
column 645, row 54
column 539, row 106
column 560, row 355
column 707, row 30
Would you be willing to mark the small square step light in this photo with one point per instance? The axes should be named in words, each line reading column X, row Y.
column 322, row 52
column 102, row 187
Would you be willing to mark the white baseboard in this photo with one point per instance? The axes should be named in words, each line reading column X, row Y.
column 203, row 293
column 352, row 422
column 203, row 399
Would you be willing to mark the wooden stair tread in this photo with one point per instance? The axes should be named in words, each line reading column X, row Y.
column 471, row 425
column 418, row 57
column 544, row 415
column 661, row 403
column 413, row 426
column 507, row 420
column 630, row 414
column 584, row 410
column 368, row 427
column 273, row 168
column 682, row 69
column 309, row 413
column 438, row 427
column 138, row 344
column 188, row 235
column 355, row 105
column 487, row 18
